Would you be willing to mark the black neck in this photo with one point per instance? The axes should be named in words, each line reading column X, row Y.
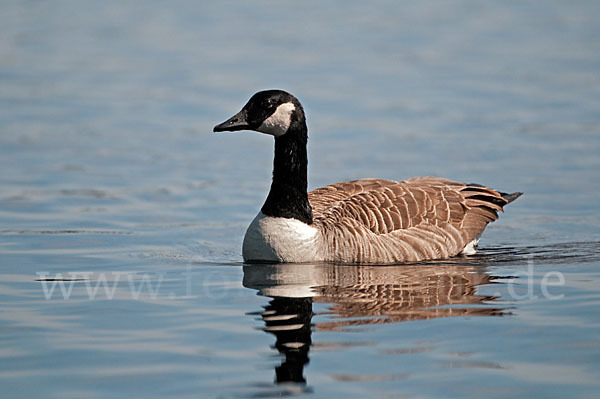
column 288, row 196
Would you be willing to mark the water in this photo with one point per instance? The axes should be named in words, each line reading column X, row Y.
column 122, row 214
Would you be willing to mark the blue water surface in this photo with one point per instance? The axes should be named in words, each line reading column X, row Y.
column 122, row 214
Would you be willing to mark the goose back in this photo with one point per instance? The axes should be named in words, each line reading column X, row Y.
column 385, row 221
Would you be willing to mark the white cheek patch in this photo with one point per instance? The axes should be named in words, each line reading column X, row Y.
column 278, row 123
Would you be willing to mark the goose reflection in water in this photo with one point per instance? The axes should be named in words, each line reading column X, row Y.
column 359, row 295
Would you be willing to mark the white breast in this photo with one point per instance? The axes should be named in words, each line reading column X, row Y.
column 278, row 239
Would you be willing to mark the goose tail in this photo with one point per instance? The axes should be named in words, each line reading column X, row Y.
column 511, row 197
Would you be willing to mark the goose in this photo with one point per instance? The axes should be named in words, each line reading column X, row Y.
column 373, row 221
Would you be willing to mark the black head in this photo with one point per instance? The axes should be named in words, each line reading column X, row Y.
column 269, row 111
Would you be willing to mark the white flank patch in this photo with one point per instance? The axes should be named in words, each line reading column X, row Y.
column 471, row 248
column 278, row 123
column 277, row 239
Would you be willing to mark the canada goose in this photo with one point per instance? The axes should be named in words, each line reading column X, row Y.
column 360, row 221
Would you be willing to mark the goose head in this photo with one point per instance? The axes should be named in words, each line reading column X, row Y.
column 273, row 112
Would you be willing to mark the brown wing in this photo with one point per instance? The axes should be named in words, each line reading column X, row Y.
column 420, row 218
